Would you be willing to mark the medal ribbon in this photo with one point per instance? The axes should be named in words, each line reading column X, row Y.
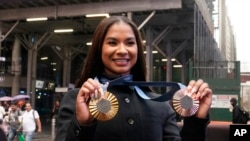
column 127, row 80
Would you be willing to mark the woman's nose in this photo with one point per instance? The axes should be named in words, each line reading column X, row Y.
column 122, row 48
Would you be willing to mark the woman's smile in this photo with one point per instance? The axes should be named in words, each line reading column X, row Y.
column 119, row 49
column 121, row 62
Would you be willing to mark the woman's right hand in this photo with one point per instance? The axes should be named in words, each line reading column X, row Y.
column 88, row 89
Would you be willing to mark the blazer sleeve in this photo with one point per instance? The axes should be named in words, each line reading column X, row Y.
column 193, row 129
column 171, row 131
column 68, row 128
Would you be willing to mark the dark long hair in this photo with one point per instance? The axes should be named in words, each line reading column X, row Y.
column 93, row 65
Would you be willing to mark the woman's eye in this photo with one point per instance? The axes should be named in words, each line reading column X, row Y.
column 112, row 43
column 131, row 43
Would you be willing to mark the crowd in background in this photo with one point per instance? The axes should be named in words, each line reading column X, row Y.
column 19, row 118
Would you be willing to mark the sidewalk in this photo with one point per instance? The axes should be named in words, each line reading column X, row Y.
column 45, row 135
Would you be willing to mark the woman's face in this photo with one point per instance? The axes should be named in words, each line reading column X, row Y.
column 119, row 49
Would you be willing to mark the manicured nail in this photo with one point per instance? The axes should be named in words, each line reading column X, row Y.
column 194, row 90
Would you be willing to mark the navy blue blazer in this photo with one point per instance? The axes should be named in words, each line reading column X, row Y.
column 136, row 120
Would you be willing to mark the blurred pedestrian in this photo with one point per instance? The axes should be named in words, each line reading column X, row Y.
column 236, row 114
column 2, row 113
column 55, row 109
column 2, row 135
column 5, row 125
column 14, row 120
column 6, row 105
column 30, row 121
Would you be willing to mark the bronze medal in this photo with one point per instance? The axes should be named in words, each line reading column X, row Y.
column 104, row 107
column 184, row 104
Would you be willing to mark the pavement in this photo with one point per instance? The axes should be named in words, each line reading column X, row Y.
column 47, row 127
column 46, row 134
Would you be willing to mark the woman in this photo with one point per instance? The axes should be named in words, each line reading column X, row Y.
column 117, row 51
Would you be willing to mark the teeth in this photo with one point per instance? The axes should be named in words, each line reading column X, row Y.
column 121, row 60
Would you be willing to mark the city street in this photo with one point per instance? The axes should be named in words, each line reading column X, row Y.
column 46, row 134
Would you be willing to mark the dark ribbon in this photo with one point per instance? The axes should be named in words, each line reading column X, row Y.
column 128, row 80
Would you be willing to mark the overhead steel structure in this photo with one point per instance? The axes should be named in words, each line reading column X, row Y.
column 177, row 29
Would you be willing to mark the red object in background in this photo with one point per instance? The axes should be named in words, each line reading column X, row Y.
column 164, row 67
column 20, row 103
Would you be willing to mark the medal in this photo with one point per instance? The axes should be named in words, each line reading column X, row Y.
column 184, row 104
column 104, row 105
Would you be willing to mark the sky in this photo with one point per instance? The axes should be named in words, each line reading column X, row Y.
column 239, row 13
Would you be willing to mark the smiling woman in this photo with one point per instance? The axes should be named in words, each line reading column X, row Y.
column 119, row 51
column 117, row 55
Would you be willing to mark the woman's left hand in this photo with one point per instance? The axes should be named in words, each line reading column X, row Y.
column 200, row 91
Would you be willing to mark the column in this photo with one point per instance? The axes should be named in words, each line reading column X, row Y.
column 16, row 67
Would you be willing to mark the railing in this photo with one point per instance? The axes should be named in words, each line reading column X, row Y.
column 218, row 69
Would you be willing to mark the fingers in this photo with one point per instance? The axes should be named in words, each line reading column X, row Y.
column 89, row 89
column 90, row 86
column 198, row 89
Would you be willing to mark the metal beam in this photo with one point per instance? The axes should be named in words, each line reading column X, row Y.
column 179, row 49
column 12, row 28
column 171, row 19
column 159, row 38
column 162, row 35
column 146, row 20
column 89, row 8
